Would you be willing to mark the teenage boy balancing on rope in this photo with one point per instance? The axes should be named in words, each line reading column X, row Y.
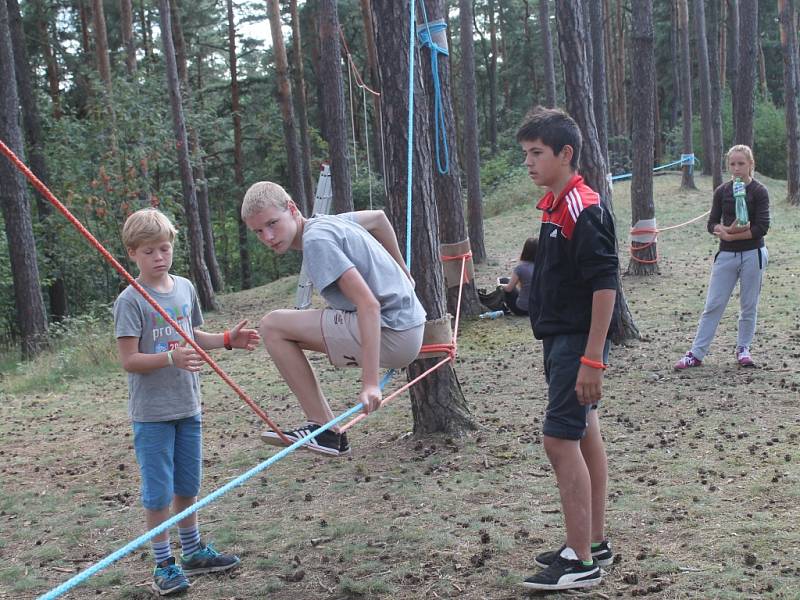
column 374, row 317
column 164, row 395
column 571, row 303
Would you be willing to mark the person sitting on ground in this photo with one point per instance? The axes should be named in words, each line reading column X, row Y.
column 571, row 303
column 373, row 317
column 742, row 257
column 164, row 395
column 517, row 288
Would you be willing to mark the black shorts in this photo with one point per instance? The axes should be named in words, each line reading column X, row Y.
column 565, row 417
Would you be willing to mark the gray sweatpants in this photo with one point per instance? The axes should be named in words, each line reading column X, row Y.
column 728, row 268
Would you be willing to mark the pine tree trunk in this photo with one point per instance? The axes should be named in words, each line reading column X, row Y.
column 547, row 54
column 245, row 273
column 202, row 281
column 374, row 82
column 331, row 87
column 732, row 66
column 746, row 72
column 51, row 66
column 788, row 26
column 32, row 123
column 643, row 80
column 675, row 61
column 31, row 317
column 572, row 39
column 284, row 95
column 302, row 105
column 196, row 151
column 437, row 402
column 705, row 84
column 491, row 69
column 104, row 69
column 471, row 147
column 447, row 186
column 598, row 61
column 715, row 73
column 687, row 180
column 126, row 26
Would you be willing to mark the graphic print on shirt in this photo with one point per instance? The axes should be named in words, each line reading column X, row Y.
column 563, row 212
column 163, row 331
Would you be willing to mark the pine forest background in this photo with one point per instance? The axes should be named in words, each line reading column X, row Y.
column 97, row 78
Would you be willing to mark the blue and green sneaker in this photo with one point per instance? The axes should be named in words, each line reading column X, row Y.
column 168, row 578
column 207, row 560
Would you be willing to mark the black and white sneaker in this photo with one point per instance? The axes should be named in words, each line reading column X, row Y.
column 565, row 574
column 328, row 442
column 603, row 554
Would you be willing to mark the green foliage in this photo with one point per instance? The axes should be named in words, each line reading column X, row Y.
column 769, row 135
column 80, row 346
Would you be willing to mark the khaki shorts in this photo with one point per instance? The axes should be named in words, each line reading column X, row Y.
column 343, row 341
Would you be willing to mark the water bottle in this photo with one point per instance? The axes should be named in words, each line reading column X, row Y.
column 739, row 195
column 492, row 314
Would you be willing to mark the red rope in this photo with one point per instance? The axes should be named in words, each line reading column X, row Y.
column 450, row 348
column 42, row 188
column 655, row 232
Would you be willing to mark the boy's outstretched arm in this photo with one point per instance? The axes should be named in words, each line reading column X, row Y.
column 239, row 337
column 377, row 223
column 589, row 384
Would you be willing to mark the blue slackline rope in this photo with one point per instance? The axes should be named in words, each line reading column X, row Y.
column 144, row 538
column 410, row 153
column 426, row 39
column 685, row 158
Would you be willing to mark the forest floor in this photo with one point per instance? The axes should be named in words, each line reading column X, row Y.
column 704, row 491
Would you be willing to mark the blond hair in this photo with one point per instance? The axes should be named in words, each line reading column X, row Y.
column 263, row 195
column 147, row 225
column 748, row 154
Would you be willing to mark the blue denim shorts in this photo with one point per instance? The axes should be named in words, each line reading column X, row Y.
column 565, row 417
column 170, row 457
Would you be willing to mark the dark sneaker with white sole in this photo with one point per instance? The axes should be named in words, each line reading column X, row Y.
column 328, row 442
column 565, row 574
column 168, row 578
column 207, row 560
column 602, row 554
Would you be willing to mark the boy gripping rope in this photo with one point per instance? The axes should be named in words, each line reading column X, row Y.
column 374, row 317
column 164, row 395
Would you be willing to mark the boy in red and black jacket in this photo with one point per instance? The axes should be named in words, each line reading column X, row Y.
column 571, row 304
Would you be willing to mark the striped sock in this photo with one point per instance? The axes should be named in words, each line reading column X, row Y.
column 190, row 539
column 161, row 551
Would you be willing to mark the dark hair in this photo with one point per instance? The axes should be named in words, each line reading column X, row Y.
column 529, row 249
column 554, row 128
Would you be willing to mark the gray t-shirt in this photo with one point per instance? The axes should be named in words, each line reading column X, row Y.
column 332, row 244
column 524, row 271
column 168, row 393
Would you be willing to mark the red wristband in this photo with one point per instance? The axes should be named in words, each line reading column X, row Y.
column 226, row 340
column 595, row 364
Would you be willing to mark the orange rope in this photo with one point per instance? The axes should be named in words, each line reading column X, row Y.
column 644, row 245
column 450, row 348
column 43, row 189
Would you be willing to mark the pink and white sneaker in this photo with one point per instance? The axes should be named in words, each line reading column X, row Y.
column 743, row 357
column 687, row 361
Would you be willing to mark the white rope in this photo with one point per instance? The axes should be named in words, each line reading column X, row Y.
column 366, row 137
column 352, row 118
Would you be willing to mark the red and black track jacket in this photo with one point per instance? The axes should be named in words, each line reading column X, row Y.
column 576, row 257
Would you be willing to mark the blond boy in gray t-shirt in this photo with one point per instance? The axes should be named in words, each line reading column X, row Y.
column 164, row 395
column 374, row 318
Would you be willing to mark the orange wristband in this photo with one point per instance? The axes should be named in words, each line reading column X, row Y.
column 595, row 364
column 226, row 340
